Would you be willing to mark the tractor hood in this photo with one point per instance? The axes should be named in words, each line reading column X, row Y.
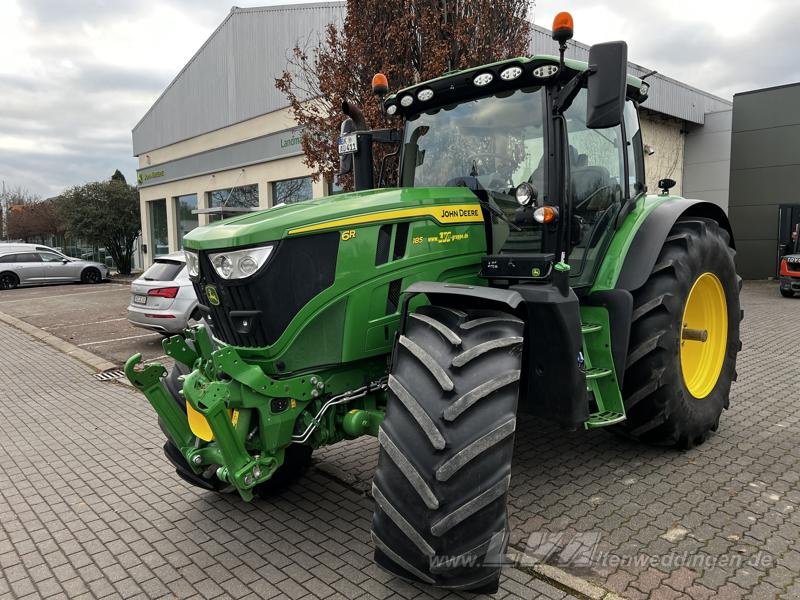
column 445, row 205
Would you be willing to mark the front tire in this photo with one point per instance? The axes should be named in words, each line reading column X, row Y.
column 787, row 293
column 674, row 394
column 446, row 445
column 91, row 275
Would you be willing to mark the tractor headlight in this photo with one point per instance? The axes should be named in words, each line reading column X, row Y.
column 525, row 193
column 192, row 263
column 239, row 264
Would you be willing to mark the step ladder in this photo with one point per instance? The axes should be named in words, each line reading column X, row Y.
column 601, row 377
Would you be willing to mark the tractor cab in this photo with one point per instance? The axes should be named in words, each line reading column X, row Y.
column 550, row 146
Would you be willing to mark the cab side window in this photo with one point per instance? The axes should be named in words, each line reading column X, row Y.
column 28, row 257
column 633, row 141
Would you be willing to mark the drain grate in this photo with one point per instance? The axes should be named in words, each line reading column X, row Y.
column 110, row 375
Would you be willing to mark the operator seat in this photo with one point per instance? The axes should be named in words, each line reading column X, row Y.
column 588, row 183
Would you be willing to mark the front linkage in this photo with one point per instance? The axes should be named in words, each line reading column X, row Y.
column 250, row 418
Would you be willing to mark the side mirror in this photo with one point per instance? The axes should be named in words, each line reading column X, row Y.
column 605, row 102
column 64, row 260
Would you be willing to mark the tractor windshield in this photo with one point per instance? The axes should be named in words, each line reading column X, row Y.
column 494, row 143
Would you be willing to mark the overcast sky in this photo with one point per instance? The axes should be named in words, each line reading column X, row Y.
column 77, row 75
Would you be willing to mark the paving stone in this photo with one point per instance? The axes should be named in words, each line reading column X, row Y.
column 101, row 512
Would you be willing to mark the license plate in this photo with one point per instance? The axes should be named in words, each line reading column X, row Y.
column 138, row 299
column 348, row 144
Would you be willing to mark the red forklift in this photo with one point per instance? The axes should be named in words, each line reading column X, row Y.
column 789, row 249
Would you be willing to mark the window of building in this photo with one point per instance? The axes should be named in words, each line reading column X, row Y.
column 335, row 186
column 186, row 219
column 289, row 191
column 159, row 241
column 245, row 196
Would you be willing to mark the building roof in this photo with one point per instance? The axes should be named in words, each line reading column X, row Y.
column 232, row 76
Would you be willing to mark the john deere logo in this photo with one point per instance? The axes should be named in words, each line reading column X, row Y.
column 536, row 272
column 211, row 294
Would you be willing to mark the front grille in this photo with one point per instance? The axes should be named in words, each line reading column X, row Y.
column 793, row 266
column 254, row 312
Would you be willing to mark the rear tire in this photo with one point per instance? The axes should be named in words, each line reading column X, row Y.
column 296, row 460
column 659, row 405
column 8, row 281
column 787, row 293
column 91, row 275
column 446, row 445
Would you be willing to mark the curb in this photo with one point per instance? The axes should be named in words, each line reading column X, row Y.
column 569, row 583
column 86, row 357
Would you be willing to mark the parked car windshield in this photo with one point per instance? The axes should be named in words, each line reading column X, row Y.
column 163, row 270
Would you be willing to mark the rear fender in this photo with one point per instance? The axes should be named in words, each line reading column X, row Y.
column 649, row 238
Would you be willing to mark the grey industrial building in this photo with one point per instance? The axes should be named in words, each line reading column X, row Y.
column 764, row 174
column 222, row 135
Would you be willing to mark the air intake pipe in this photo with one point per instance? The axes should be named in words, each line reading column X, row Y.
column 360, row 161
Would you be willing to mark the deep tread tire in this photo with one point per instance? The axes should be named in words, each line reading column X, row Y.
column 296, row 460
column 660, row 410
column 446, row 445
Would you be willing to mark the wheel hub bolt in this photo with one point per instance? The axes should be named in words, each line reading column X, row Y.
column 248, row 480
column 695, row 335
column 197, row 459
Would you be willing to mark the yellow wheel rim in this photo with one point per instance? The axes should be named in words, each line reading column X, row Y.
column 704, row 335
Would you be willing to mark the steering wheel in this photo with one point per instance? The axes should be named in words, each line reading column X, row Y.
column 586, row 200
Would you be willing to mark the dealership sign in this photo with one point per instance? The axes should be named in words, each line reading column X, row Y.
column 144, row 176
column 265, row 148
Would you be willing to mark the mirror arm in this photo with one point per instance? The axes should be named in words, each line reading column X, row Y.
column 568, row 92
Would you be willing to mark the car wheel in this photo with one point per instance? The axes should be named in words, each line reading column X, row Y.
column 91, row 275
column 787, row 293
column 8, row 281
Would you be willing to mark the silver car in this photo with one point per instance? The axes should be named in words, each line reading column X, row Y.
column 163, row 298
column 28, row 264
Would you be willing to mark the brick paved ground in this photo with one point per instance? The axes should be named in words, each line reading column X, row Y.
column 90, row 508
column 735, row 500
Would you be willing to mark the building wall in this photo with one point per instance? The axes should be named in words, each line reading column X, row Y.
column 278, row 120
column 707, row 159
column 765, row 169
column 224, row 144
column 664, row 135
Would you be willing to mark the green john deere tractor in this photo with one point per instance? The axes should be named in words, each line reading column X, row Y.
column 520, row 266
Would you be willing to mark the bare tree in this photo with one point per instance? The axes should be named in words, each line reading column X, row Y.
column 410, row 41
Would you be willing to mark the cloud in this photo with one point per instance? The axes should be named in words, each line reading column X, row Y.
column 720, row 46
column 83, row 74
